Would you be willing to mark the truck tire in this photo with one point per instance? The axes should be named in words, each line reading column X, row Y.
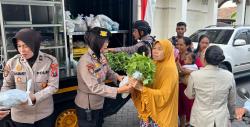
column 67, row 118
column 65, row 114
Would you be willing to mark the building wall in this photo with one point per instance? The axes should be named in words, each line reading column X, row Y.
column 197, row 16
column 165, row 17
column 247, row 18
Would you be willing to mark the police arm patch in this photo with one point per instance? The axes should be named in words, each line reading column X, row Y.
column 54, row 70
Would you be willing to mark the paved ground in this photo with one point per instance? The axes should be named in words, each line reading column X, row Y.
column 127, row 116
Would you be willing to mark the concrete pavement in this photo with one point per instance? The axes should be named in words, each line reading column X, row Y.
column 126, row 117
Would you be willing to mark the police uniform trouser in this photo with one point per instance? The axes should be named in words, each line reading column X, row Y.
column 96, row 121
column 46, row 122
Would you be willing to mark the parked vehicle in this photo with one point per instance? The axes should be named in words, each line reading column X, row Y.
column 235, row 42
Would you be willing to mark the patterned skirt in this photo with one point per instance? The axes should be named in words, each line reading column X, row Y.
column 148, row 123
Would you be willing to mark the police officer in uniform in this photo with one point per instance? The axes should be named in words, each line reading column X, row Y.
column 42, row 70
column 92, row 71
column 141, row 33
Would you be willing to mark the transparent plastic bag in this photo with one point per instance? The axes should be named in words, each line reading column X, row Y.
column 95, row 23
column 115, row 26
column 122, row 83
column 67, row 15
column 101, row 21
column 107, row 23
column 70, row 26
column 89, row 19
column 80, row 24
column 13, row 98
column 104, row 21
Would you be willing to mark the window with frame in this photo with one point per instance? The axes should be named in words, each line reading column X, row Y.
column 243, row 34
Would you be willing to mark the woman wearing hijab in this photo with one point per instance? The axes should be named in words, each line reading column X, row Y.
column 157, row 105
column 42, row 70
column 92, row 71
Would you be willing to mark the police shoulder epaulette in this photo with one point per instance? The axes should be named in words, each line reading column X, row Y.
column 14, row 59
column 16, row 56
column 49, row 57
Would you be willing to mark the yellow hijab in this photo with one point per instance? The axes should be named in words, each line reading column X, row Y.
column 160, row 102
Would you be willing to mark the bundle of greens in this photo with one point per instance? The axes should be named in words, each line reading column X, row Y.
column 141, row 68
column 117, row 61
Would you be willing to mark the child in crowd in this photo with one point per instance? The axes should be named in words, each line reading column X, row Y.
column 189, row 65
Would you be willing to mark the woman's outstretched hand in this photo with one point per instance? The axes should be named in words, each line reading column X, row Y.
column 135, row 84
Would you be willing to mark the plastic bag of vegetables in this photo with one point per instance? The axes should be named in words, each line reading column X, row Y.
column 141, row 68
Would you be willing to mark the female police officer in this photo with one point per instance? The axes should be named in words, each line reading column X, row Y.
column 92, row 70
column 42, row 70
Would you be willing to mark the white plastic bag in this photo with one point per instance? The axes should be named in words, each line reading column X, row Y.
column 67, row 15
column 136, row 75
column 70, row 26
column 80, row 24
column 95, row 23
column 107, row 23
column 115, row 26
column 15, row 97
column 122, row 83
column 101, row 21
column 89, row 19
column 12, row 98
column 28, row 92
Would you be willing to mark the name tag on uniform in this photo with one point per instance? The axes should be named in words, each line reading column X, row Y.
column 97, row 70
column 42, row 72
column 19, row 73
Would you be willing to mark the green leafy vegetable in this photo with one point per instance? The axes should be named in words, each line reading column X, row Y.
column 117, row 61
column 144, row 65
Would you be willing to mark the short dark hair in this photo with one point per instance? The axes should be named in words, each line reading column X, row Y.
column 214, row 55
column 181, row 24
column 95, row 38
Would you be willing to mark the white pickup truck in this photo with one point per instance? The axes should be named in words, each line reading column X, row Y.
column 235, row 42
